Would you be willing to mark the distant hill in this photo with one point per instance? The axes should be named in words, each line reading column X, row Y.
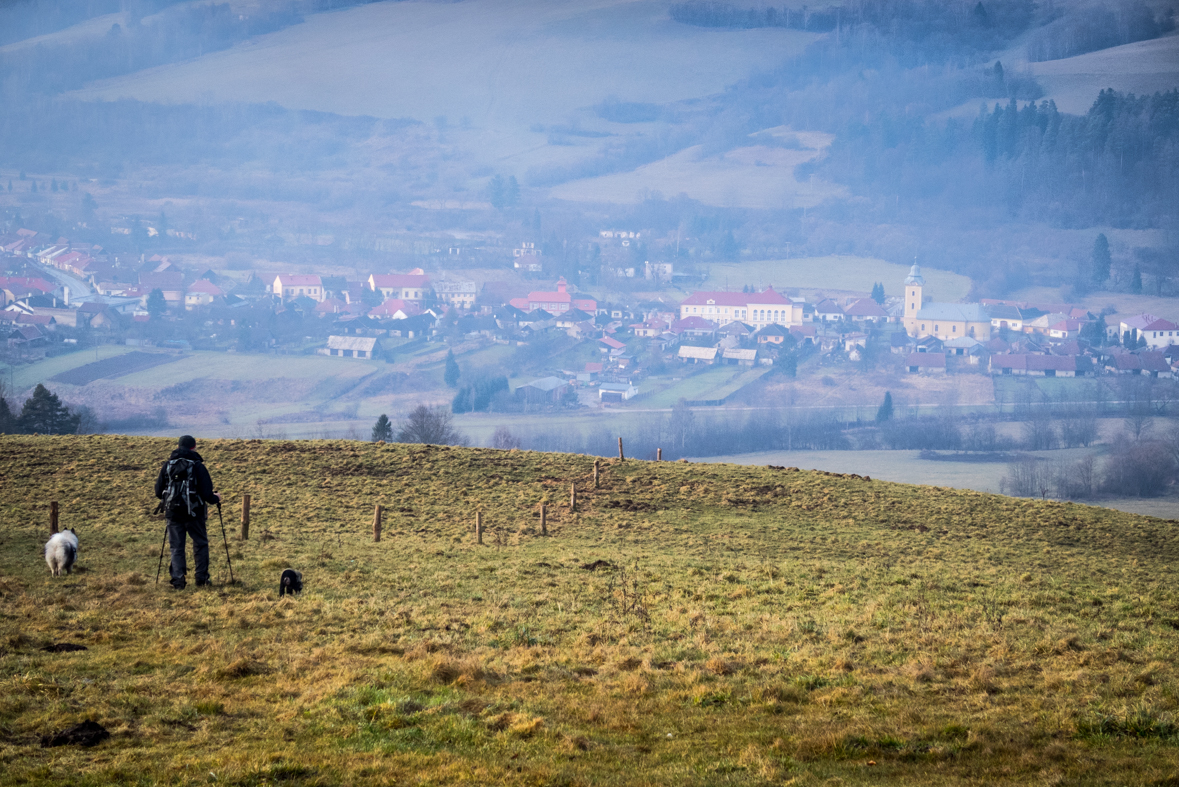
column 686, row 624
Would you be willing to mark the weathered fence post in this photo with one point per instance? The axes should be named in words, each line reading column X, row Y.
column 658, row 454
column 245, row 517
column 377, row 524
column 596, row 464
column 573, row 496
column 544, row 527
column 478, row 527
column 52, row 517
column 620, row 456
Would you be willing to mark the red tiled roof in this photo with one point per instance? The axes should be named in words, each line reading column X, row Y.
column 865, row 307
column 205, row 286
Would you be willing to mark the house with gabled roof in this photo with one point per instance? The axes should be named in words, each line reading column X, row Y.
column 289, row 286
column 828, row 310
column 1159, row 333
column 772, row 334
column 865, row 310
column 201, row 292
column 412, row 286
column 926, row 363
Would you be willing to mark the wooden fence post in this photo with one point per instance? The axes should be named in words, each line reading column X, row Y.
column 377, row 524
column 479, row 527
column 573, row 496
column 544, row 527
column 658, row 454
column 52, row 517
column 620, row 456
column 596, row 463
column 245, row 517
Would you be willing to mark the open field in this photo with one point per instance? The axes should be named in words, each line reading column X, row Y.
column 115, row 366
column 503, row 65
column 694, row 384
column 748, row 177
column 836, row 272
column 1143, row 67
column 747, row 626
column 908, row 467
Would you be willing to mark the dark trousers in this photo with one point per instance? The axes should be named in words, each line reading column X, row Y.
column 178, row 527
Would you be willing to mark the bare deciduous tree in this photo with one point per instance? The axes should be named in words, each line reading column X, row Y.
column 432, row 425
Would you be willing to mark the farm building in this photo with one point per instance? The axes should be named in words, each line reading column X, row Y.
column 926, row 363
column 1041, row 365
column 697, row 354
column 351, row 347
column 546, row 390
column 616, row 392
column 735, row 355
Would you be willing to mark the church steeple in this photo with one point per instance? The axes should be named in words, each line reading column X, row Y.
column 915, row 276
column 914, row 283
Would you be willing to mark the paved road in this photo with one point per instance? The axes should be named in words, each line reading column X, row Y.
column 79, row 290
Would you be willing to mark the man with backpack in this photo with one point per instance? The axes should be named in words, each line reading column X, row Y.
column 185, row 491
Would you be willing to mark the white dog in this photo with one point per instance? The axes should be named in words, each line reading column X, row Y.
column 61, row 551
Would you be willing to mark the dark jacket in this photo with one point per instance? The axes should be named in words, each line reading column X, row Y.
column 204, row 482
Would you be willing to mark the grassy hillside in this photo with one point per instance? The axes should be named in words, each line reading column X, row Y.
column 748, row 626
column 836, row 272
column 504, row 66
column 1143, row 67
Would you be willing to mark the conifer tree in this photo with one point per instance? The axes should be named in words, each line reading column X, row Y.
column 452, row 373
column 1101, row 260
column 383, row 430
column 885, row 411
column 7, row 424
column 156, row 305
column 1136, row 282
column 43, row 413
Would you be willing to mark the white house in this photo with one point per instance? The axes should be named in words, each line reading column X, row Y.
column 295, row 285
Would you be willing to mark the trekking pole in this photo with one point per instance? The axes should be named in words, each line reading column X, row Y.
column 163, row 544
column 225, row 539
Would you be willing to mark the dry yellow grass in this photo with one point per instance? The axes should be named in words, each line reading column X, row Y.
column 749, row 626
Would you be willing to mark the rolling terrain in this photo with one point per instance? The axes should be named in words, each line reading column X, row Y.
column 687, row 624
column 499, row 71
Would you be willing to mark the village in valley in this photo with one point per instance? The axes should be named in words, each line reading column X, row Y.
column 595, row 346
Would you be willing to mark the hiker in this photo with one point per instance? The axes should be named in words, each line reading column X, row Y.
column 185, row 491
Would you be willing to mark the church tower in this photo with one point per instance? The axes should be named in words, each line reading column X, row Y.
column 914, row 283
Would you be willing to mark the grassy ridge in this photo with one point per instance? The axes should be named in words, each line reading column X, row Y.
column 755, row 626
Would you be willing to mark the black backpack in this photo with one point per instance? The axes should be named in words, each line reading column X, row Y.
column 182, row 496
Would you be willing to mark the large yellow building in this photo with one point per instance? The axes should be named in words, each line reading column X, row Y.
column 941, row 320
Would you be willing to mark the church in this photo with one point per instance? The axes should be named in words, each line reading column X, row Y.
column 941, row 320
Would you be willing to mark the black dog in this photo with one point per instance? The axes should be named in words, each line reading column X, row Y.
column 290, row 582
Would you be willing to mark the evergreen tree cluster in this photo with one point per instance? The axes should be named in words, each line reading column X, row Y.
column 42, row 413
column 476, row 397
